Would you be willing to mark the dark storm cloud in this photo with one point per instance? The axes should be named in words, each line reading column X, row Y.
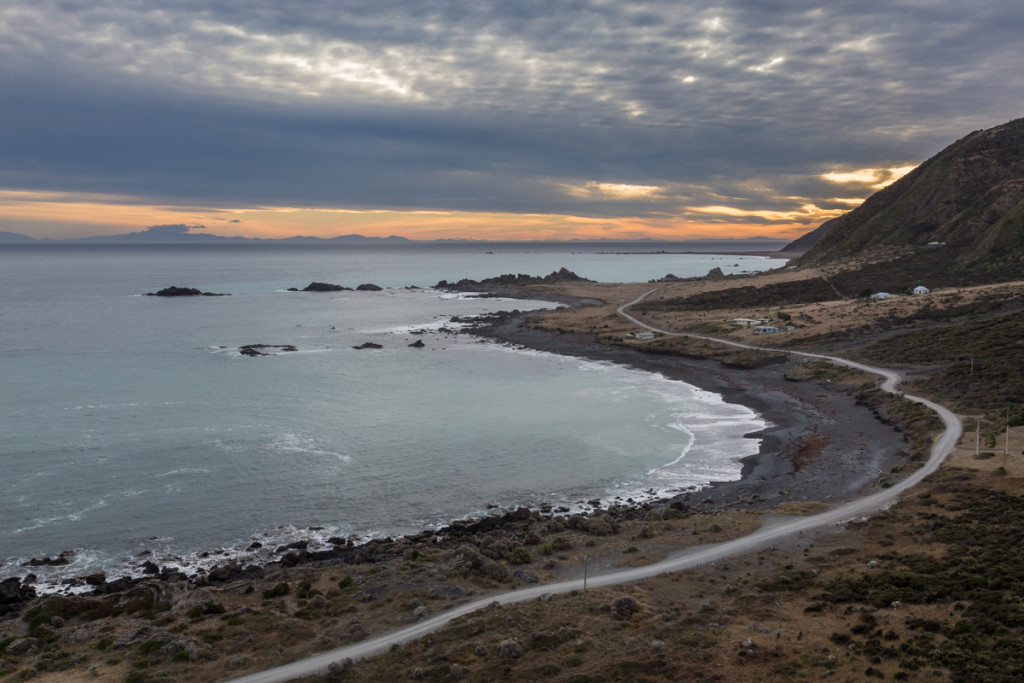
column 519, row 107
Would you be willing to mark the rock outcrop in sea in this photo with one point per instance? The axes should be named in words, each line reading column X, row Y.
column 259, row 349
column 183, row 291
column 330, row 287
column 321, row 287
column 511, row 280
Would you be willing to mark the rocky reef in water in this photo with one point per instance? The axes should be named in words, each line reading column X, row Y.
column 260, row 349
column 183, row 291
column 511, row 280
column 329, row 287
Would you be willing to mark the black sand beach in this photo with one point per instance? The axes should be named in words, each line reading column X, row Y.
column 820, row 445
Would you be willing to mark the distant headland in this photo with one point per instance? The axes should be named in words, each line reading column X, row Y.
column 181, row 234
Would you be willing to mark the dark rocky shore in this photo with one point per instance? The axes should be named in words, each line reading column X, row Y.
column 821, row 443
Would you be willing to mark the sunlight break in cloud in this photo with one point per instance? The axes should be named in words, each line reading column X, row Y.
column 876, row 178
column 613, row 191
column 775, row 61
column 807, row 212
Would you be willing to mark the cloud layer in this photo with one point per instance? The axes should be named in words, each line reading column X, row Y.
column 657, row 111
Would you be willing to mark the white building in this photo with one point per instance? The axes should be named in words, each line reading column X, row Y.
column 884, row 295
column 765, row 329
column 921, row 289
column 640, row 336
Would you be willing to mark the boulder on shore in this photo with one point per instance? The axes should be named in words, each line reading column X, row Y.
column 368, row 345
column 368, row 287
column 14, row 594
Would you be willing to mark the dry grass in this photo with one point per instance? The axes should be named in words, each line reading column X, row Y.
column 764, row 616
column 826, row 321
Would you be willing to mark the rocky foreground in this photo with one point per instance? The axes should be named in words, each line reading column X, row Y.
column 233, row 618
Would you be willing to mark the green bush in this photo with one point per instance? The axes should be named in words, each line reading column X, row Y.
column 277, row 591
column 561, row 544
column 105, row 642
column 520, row 555
column 207, row 608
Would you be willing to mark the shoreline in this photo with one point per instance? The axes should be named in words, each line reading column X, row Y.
column 819, row 445
column 804, row 455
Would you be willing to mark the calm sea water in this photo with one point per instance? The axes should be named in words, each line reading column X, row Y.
column 133, row 424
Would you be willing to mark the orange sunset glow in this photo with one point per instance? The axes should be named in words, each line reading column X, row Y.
column 62, row 216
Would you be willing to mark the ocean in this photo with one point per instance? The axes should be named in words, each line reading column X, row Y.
column 133, row 428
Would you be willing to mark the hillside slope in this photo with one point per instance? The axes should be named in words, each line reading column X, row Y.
column 969, row 197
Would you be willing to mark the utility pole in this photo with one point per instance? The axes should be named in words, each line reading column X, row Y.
column 1006, row 444
column 977, row 440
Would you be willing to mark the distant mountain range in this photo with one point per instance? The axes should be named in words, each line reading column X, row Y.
column 184, row 234
column 181, row 234
column 959, row 216
column 15, row 238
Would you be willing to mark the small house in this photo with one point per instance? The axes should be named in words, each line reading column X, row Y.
column 765, row 329
column 640, row 336
column 921, row 289
column 747, row 322
column 884, row 295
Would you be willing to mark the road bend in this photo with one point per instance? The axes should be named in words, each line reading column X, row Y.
column 688, row 558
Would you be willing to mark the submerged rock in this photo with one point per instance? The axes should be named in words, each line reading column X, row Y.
column 257, row 349
column 58, row 561
column 368, row 345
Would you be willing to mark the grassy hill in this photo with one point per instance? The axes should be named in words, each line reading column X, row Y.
column 969, row 198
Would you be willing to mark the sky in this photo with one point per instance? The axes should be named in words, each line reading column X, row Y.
column 519, row 119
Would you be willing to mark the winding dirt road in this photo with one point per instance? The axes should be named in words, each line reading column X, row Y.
column 685, row 559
